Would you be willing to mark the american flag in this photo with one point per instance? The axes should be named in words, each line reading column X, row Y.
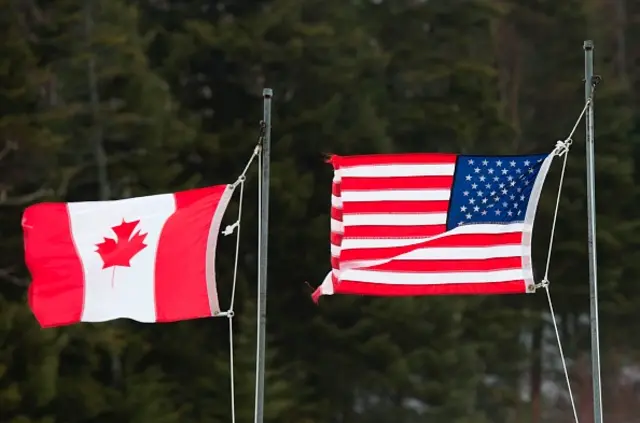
column 433, row 224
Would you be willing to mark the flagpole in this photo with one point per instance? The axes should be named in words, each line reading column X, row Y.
column 590, row 82
column 263, row 233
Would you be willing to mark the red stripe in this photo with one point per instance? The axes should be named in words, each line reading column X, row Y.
column 336, row 214
column 184, row 249
column 363, row 207
column 336, row 238
column 335, row 262
column 335, row 189
column 391, row 159
column 397, row 182
column 459, row 240
column 56, row 292
column 387, row 290
column 443, row 266
column 394, row 231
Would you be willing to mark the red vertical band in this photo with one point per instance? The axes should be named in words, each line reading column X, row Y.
column 184, row 272
column 56, row 293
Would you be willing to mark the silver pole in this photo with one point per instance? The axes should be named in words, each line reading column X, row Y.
column 589, row 85
column 263, row 234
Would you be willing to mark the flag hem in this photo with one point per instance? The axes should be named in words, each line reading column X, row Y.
column 530, row 215
column 214, row 231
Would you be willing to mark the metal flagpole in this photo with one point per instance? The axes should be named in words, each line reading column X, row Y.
column 590, row 83
column 263, row 233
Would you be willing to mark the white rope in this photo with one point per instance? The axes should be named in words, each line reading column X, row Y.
column 230, row 313
column 561, row 149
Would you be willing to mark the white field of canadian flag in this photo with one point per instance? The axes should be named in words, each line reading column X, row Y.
column 149, row 259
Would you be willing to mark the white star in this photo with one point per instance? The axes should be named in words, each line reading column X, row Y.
column 480, row 194
column 484, row 200
column 484, row 212
column 476, row 170
column 460, row 223
column 527, row 163
column 531, row 170
column 501, row 186
column 485, row 162
column 496, row 199
column 512, row 183
column 505, row 204
column 482, row 178
column 512, row 163
column 510, row 213
column 526, row 183
column 509, row 178
column 518, row 170
column 472, row 200
column 465, row 193
column 498, row 212
column 468, row 215
column 490, row 171
column 512, row 197
column 470, row 161
column 505, row 171
column 515, row 205
column 476, row 209
column 504, row 192
column 499, row 163
column 474, row 186
column 488, row 186
column 463, row 209
column 496, row 179
column 468, row 177
column 492, row 193
column 522, row 198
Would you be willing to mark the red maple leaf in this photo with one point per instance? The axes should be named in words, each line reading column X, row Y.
column 119, row 251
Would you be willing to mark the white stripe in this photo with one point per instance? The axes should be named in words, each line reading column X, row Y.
column 416, row 278
column 132, row 294
column 335, row 250
column 489, row 229
column 391, row 170
column 450, row 253
column 336, row 202
column 396, row 195
column 387, row 219
column 336, row 226
column 326, row 288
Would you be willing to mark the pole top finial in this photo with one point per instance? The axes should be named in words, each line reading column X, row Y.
column 588, row 45
column 267, row 93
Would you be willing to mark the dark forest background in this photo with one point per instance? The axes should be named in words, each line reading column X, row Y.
column 108, row 99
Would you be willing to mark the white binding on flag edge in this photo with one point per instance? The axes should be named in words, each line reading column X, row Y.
column 527, row 233
column 212, row 243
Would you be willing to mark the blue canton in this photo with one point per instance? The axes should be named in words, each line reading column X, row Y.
column 492, row 189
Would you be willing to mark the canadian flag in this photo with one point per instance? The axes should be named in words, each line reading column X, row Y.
column 149, row 259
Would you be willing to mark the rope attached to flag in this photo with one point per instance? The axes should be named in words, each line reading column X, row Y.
column 561, row 149
column 230, row 313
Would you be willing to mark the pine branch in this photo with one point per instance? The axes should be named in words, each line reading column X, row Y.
column 8, row 147
column 8, row 276
column 22, row 200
